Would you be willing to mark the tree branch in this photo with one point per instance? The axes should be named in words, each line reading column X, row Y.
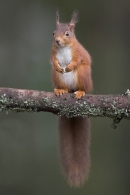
column 113, row 106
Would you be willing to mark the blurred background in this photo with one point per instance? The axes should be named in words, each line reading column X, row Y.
column 29, row 162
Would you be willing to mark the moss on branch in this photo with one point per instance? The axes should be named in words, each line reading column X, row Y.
column 113, row 106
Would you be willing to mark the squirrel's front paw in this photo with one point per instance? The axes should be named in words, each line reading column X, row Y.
column 68, row 69
column 59, row 69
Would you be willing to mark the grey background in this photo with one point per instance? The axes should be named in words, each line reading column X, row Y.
column 29, row 161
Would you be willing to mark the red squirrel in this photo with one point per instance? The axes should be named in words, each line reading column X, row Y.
column 71, row 72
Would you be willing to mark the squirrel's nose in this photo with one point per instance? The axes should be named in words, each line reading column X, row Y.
column 57, row 41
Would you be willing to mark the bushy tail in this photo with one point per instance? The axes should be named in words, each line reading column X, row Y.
column 74, row 139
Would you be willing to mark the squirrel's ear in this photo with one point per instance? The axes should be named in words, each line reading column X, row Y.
column 57, row 17
column 74, row 19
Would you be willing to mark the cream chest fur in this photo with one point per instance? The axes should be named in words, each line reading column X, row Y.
column 64, row 57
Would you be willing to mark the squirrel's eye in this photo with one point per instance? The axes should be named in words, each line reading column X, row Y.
column 67, row 33
column 53, row 33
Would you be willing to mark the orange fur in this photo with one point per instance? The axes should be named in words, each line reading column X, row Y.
column 81, row 64
column 71, row 72
column 74, row 141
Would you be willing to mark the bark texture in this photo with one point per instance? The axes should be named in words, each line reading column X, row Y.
column 113, row 106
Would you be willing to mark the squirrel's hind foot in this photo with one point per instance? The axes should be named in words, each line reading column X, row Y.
column 60, row 92
column 79, row 94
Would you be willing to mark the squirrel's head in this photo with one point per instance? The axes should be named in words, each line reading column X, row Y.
column 64, row 33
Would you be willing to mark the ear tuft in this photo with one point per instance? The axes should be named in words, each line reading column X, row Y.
column 57, row 17
column 74, row 20
column 74, row 17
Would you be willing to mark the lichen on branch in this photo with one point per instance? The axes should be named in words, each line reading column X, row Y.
column 113, row 106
